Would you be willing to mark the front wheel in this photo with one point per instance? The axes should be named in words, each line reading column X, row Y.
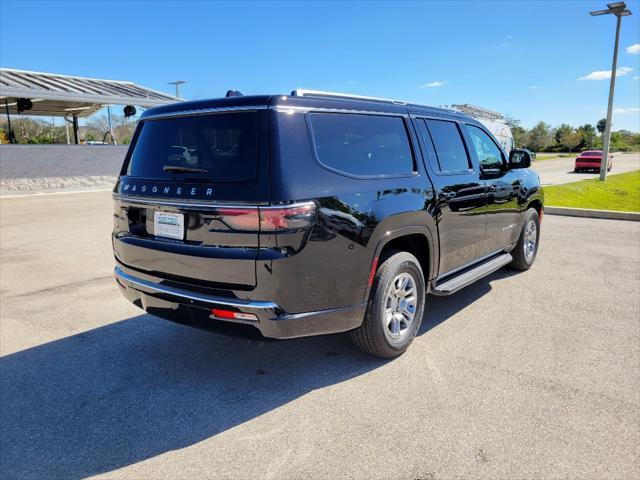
column 396, row 305
column 526, row 249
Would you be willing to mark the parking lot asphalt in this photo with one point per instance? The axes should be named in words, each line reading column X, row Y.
column 521, row 375
column 560, row 170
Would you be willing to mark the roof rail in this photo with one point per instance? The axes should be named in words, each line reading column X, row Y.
column 475, row 111
column 299, row 92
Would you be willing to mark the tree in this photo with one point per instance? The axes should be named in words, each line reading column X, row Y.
column 602, row 125
column 519, row 133
column 588, row 133
column 570, row 139
column 539, row 137
column 561, row 132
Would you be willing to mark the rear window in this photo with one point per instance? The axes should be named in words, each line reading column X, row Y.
column 212, row 148
column 362, row 145
column 591, row 154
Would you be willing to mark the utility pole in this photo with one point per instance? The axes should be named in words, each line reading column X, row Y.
column 177, row 83
column 619, row 9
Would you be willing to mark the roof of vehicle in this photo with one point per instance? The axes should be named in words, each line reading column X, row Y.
column 363, row 104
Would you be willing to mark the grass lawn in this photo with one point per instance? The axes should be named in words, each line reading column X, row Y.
column 619, row 192
column 551, row 156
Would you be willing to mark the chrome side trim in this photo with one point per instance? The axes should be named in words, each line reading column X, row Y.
column 470, row 264
column 203, row 206
column 467, row 278
column 150, row 287
column 205, row 111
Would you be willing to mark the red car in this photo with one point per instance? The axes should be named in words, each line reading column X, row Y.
column 590, row 160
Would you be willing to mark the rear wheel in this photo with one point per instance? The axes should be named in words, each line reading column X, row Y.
column 526, row 249
column 396, row 305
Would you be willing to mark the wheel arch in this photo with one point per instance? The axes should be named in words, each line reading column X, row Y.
column 537, row 204
column 417, row 240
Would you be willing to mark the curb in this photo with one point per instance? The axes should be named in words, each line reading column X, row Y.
column 587, row 213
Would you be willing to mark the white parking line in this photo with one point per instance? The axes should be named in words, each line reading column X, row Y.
column 60, row 192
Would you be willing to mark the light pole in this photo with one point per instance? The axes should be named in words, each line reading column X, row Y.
column 177, row 83
column 619, row 9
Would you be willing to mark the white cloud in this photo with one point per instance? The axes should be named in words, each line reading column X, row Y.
column 432, row 85
column 626, row 110
column 351, row 82
column 606, row 74
column 637, row 77
column 635, row 48
column 533, row 87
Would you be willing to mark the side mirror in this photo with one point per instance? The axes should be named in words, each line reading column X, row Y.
column 519, row 159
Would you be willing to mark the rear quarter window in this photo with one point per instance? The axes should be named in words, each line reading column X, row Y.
column 362, row 145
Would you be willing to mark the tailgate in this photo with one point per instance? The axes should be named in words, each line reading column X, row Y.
column 180, row 172
column 211, row 248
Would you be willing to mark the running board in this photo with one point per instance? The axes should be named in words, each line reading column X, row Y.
column 467, row 278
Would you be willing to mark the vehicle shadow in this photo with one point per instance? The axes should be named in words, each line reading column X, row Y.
column 119, row 394
column 439, row 309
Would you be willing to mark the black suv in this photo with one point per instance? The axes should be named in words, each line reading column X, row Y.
column 314, row 213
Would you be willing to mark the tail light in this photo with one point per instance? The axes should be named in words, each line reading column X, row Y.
column 267, row 219
column 286, row 218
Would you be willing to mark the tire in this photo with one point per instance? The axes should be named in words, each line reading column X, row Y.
column 385, row 331
column 576, row 170
column 525, row 251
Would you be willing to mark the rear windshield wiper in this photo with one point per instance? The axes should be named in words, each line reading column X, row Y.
column 178, row 169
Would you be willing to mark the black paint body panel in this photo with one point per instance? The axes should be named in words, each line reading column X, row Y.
column 326, row 266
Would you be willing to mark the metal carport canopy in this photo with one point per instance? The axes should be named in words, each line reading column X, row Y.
column 65, row 95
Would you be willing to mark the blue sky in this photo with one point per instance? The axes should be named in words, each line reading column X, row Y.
column 522, row 58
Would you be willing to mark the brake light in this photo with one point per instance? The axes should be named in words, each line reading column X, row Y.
column 286, row 218
column 239, row 218
column 267, row 219
column 231, row 315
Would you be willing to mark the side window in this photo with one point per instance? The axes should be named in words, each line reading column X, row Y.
column 362, row 145
column 489, row 155
column 450, row 151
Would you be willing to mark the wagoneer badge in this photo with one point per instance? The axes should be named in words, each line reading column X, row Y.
column 165, row 189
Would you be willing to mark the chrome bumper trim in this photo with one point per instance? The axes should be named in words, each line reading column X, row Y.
column 151, row 287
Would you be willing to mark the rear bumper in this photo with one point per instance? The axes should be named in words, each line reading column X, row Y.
column 193, row 308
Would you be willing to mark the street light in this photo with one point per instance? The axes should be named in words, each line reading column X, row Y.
column 177, row 83
column 619, row 9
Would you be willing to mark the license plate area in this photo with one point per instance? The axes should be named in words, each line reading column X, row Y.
column 168, row 225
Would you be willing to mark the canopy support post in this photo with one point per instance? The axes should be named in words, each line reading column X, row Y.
column 75, row 128
column 66, row 129
column 12, row 137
